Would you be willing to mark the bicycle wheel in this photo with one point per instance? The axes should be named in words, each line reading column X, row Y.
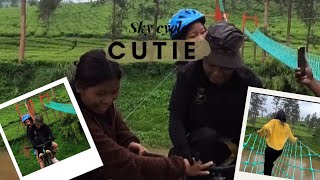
column 47, row 160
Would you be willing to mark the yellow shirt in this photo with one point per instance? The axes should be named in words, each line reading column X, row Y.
column 276, row 133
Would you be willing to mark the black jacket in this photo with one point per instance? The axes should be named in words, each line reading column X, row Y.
column 39, row 136
column 196, row 102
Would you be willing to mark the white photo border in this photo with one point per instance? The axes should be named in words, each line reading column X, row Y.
column 240, row 175
column 68, row 168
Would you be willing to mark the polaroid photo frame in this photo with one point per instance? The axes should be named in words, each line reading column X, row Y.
column 240, row 175
column 68, row 168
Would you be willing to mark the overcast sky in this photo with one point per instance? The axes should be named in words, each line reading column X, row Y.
column 305, row 107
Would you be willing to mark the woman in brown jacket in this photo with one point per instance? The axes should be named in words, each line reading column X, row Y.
column 96, row 85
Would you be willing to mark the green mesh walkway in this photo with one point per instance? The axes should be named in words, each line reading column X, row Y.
column 296, row 162
column 221, row 6
column 284, row 53
column 66, row 108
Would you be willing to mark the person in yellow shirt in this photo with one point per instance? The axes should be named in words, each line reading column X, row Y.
column 277, row 132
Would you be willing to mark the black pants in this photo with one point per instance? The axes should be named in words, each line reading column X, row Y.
column 270, row 157
column 205, row 142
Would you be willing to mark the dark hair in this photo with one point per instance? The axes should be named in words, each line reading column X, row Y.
column 94, row 68
column 281, row 115
column 183, row 33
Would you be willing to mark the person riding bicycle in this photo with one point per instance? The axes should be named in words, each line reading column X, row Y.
column 28, row 121
column 39, row 134
column 208, row 99
column 191, row 23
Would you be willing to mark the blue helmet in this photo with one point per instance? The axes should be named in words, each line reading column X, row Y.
column 184, row 17
column 25, row 117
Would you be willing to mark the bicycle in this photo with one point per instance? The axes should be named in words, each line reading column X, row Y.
column 216, row 172
column 46, row 157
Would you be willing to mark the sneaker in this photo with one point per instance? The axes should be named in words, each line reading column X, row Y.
column 55, row 160
column 41, row 155
column 50, row 153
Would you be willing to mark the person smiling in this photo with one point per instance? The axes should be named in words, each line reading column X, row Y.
column 208, row 99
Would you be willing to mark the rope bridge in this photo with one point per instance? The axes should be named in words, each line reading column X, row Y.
column 286, row 166
column 284, row 53
column 281, row 52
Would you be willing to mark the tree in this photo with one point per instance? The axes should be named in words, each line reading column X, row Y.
column 286, row 6
column 308, row 11
column 307, row 119
column 46, row 10
column 266, row 7
column 33, row 2
column 317, row 134
column 312, row 121
column 119, row 13
column 153, row 10
column 276, row 102
column 263, row 110
column 289, row 22
column 295, row 111
column 286, row 104
column 256, row 104
column 22, row 31
column 14, row 3
column 292, row 110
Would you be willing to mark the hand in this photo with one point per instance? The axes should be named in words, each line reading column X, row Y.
column 137, row 148
column 307, row 78
column 198, row 169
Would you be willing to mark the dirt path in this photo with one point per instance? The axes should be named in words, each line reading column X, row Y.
column 7, row 170
column 163, row 152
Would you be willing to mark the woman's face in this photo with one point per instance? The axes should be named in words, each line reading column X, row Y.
column 197, row 32
column 217, row 75
column 28, row 122
column 100, row 97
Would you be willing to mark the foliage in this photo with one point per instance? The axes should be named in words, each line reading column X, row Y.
column 317, row 134
column 276, row 101
column 70, row 128
column 312, row 121
column 14, row 3
column 292, row 109
column 119, row 14
column 33, row 2
column 46, row 10
column 257, row 102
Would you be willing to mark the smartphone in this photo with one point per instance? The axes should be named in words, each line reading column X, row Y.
column 302, row 61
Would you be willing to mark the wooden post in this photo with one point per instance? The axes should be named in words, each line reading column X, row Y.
column 52, row 93
column 243, row 25
column 254, row 44
column 22, row 31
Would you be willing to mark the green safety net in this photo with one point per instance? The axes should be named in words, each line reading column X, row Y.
column 284, row 53
column 66, row 108
column 292, row 159
column 221, row 6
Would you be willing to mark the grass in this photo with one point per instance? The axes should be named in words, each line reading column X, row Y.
column 67, row 148
column 88, row 26
column 70, row 141
column 49, row 57
column 10, row 119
